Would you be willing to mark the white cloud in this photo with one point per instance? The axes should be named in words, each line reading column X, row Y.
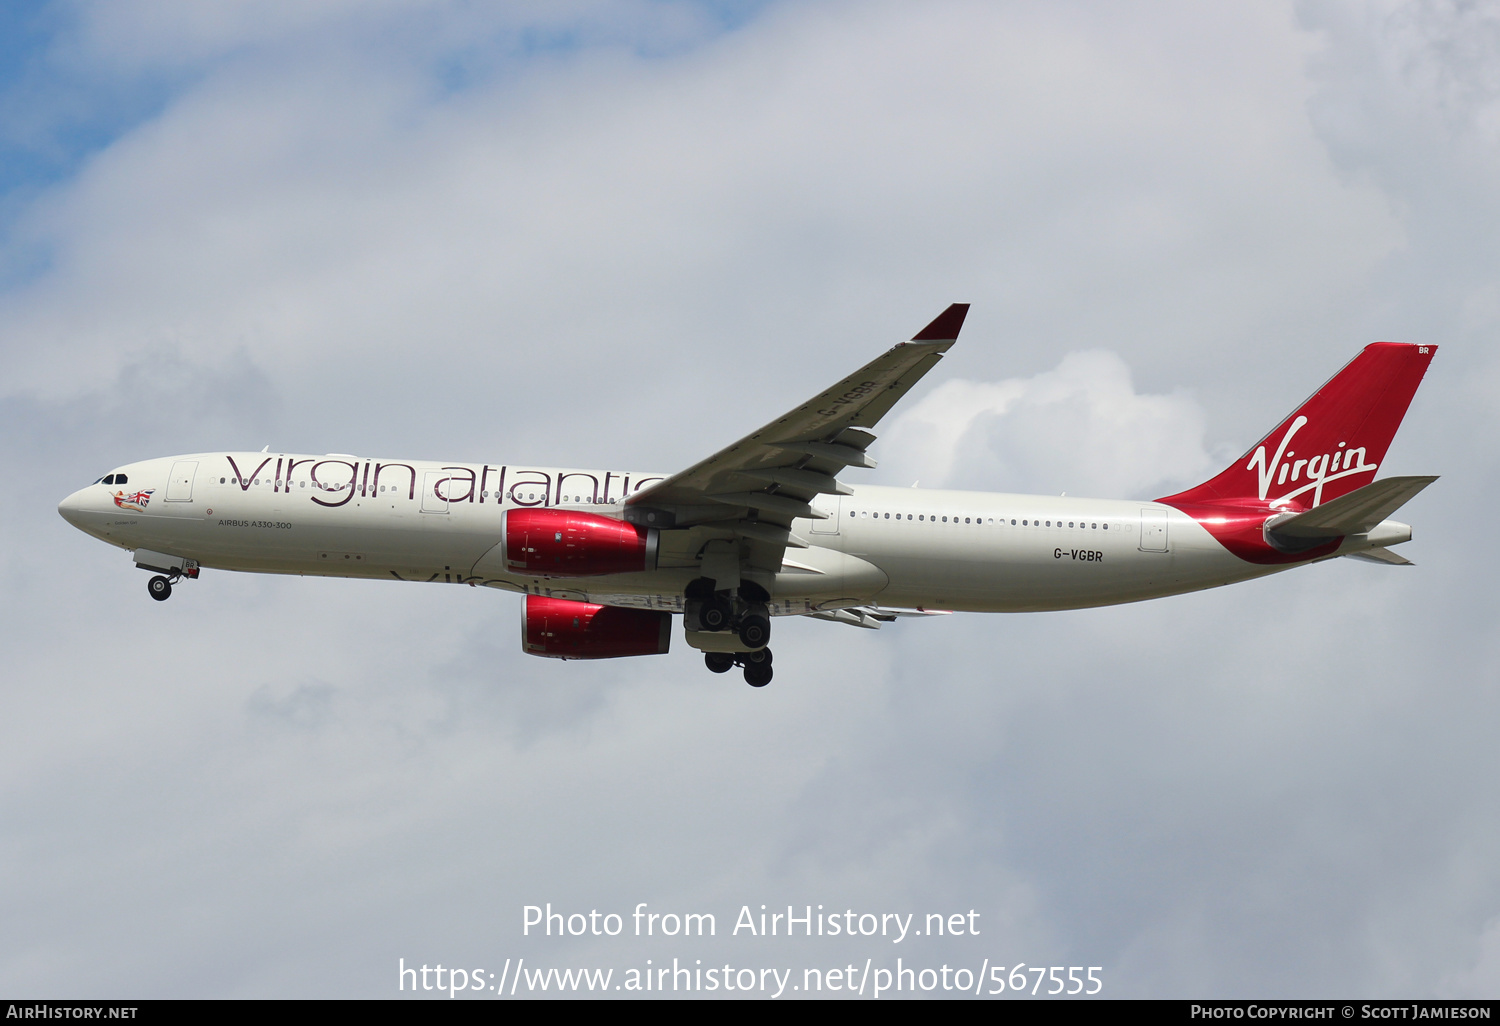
column 325, row 203
column 631, row 250
column 1081, row 428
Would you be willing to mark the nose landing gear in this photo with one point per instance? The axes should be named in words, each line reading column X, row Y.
column 160, row 586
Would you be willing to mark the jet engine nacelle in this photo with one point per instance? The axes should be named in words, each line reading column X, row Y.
column 570, row 543
column 564, row 629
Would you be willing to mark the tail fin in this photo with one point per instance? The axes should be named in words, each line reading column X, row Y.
column 1333, row 443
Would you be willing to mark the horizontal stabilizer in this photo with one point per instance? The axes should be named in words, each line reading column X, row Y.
column 1385, row 556
column 1355, row 512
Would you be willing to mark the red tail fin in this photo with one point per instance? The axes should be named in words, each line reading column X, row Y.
column 1333, row 443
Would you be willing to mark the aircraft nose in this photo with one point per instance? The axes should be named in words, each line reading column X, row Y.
column 71, row 508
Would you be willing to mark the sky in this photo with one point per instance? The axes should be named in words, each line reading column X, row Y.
column 624, row 234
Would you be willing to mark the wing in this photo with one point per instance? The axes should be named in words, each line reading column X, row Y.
column 751, row 491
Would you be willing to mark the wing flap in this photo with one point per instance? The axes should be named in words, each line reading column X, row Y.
column 802, row 480
column 843, row 455
column 766, row 501
column 871, row 617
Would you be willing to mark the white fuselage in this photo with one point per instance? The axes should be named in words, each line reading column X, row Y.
column 421, row 521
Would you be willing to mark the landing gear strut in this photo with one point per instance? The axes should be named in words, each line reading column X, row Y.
column 160, row 588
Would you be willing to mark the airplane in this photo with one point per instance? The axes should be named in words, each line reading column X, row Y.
column 765, row 527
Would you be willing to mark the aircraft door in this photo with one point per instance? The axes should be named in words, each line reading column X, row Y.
column 833, row 505
column 180, row 482
column 1153, row 530
column 434, row 500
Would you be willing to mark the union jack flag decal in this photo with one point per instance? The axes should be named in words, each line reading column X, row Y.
column 137, row 501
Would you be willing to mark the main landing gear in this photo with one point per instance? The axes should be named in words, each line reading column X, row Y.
column 757, row 665
column 743, row 612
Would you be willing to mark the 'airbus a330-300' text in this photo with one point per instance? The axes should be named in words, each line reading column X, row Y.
column 768, row 527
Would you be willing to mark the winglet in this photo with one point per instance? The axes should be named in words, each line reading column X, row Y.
column 945, row 326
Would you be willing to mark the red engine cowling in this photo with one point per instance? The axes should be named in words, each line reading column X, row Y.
column 562, row 629
column 568, row 543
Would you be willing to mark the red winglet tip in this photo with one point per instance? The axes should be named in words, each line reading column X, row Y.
column 945, row 326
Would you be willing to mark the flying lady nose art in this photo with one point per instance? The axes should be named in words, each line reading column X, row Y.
column 137, row 501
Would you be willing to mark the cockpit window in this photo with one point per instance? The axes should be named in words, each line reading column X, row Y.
column 108, row 479
column 121, row 479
